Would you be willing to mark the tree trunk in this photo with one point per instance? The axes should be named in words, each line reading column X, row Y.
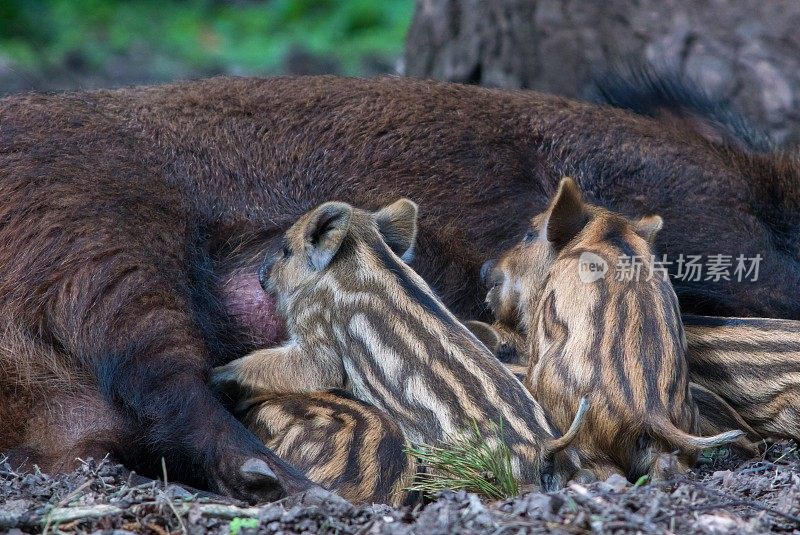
column 747, row 51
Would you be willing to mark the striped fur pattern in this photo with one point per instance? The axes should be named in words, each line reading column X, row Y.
column 716, row 415
column 754, row 365
column 360, row 318
column 618, row 338
column 341, row 443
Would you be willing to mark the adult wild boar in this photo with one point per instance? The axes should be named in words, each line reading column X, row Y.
column 134, row 221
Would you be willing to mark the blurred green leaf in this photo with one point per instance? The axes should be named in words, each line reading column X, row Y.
column 243, row 37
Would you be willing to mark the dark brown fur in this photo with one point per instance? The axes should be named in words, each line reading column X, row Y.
column 133, row 222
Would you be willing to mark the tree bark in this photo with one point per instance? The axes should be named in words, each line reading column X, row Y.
column 747, row 51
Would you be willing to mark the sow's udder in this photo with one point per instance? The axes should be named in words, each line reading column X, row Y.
column 253, row 309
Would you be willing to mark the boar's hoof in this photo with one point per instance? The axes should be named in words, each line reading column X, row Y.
column 252, row 481
column 256, row 469
column 259, row 482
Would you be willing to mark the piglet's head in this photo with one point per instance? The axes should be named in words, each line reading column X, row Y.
column 516, row 280
column 330, row 246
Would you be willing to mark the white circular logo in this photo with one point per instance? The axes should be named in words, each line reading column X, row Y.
column 591, row 267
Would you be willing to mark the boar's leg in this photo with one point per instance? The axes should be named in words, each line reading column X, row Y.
column 119, row 291
column 152, row 363
column 151, row 403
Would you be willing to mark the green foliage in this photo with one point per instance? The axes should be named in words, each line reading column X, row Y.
column 468, row 463
column 239, row 523
column 202, row 35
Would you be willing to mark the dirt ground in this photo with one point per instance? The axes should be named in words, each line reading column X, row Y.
column 720, row 496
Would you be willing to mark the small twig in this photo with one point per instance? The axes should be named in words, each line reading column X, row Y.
column 57, row 515
column 760, row 467
column 569, row 528
column 164, row 471
column 84, row 463
column 126, row 489
column 789, row 452
column 613, row 525
column 74, row 494
column 163, row 494
column 227, row 512
column 65, row 501
column 365, row 528
column 175, row 512
column 13, row 473
column 516, row 525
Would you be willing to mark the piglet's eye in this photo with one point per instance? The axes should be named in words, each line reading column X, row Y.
column 287, row 251
column 529, row 237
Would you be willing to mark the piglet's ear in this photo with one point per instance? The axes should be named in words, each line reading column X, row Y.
column 485, row 333
column 324, row 232
column 568, row 213
column 397, row 224
column 648, row 227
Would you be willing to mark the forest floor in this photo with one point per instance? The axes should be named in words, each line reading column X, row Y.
column 720, row 496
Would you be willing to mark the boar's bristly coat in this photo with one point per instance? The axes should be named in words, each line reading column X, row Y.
column 133, row 221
